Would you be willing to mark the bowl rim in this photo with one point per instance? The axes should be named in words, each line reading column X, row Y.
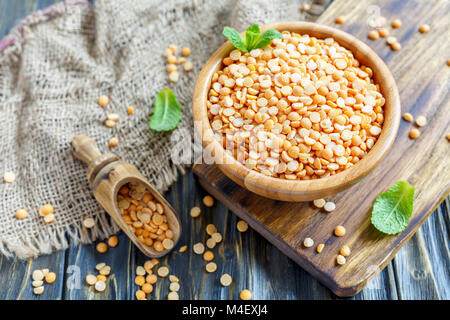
column 237, row 171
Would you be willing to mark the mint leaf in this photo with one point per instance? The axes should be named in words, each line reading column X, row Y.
column 392, row 209
column 167, row 112
column 235, row 38
column 251, row 36
column 266, row 38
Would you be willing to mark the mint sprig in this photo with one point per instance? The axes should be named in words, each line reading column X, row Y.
column 167, row 112
column 253, row 37
column 392, row 209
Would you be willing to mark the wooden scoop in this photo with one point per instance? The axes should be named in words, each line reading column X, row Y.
column 107, row 174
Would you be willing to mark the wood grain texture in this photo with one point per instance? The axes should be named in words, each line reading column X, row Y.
column 424, row 162
column 249, row 258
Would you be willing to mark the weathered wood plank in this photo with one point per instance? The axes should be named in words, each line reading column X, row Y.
column 422, row 265
column 82, row 259
column 15, row 277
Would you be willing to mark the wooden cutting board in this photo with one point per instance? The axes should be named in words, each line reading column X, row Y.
column 422, row 77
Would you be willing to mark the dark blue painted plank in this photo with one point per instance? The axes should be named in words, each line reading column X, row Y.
column 422, row 265
column 15, row 277
column 82, row 259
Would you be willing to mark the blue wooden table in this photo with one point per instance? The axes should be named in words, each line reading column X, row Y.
column 419, row 271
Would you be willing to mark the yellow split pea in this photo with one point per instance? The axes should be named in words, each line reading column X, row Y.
column 301, row 108
column 208, row 201
column 21, row 214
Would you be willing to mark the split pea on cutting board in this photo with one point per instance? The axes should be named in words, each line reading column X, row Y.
column 421, row 74
column 107, row 174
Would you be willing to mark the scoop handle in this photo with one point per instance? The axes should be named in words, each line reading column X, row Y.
column 85, row 148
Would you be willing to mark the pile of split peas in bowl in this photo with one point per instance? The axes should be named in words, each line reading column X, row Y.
column 301, row 108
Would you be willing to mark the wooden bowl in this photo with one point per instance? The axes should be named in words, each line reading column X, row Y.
column 301, row 190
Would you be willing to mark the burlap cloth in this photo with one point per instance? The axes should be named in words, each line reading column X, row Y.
column 54, row 66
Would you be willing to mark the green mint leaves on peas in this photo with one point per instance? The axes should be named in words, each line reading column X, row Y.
column 253, row 37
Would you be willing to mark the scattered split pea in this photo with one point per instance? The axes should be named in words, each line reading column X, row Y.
column 424, row 28
column 226, row 279
column 113, row 142
column 103, row 101
column 173, row 278
column 414, row 133
column 174, row 76
column 339, row 231
column 46, row 210
column 140, row 295
column 210, row 243
column 173, row 296
column 101, row 247
column 9, row 177
column 373, row 35
column 397, row 23
column 341, row 260
column 139, row 280
column 49, row 218
column 100, row 265
column 396, row 46
column 37, row 275
column 242, row 226
column 174, row 286
column 408, row 117
column 91, row 279
column 245, row 294
column 308, row 242
column 208, row 201
column 113, row 241
column 186, row 51
column 340, row 19
column 390, row 40
column 188, row 66
column 208, row 256
column 21, row 214
column 183, row 249
column 100, row 286
column 130, row 110
column 329, row 206
column 319, row 203
column 305, row 7
column 89, row 223
column 320, row 247
column 110, row 124
column 210, row 229
column 195, row 212
column 345, row 251
column 50, row 277
column 38, row 290
column 421, row 121
column 163, row 272
column 383, row 32
column 211, row 267
column 198, row 248
column 171, row 68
